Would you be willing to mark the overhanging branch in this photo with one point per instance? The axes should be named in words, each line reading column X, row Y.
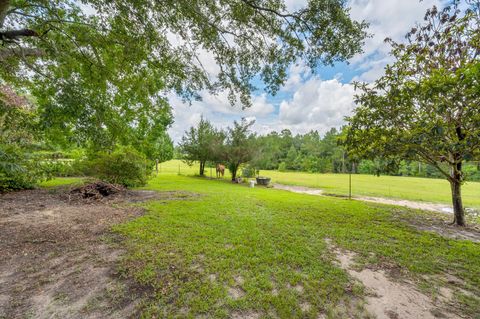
column 15, row 34
column 20, row 52
column 4, row 5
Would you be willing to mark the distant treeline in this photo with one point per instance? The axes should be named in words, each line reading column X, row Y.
column 314, row 153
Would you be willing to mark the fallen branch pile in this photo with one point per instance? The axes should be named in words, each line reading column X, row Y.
column 96, row 191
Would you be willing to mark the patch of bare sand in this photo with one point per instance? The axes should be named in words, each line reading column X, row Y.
column 439, row 208
column 245, row 315
column 390, row 298
column 54, row 260
column 298, row 189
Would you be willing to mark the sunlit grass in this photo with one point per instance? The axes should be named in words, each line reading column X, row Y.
column 59, row 181
column 410, row 188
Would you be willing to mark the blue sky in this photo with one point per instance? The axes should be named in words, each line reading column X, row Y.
column 312, row 102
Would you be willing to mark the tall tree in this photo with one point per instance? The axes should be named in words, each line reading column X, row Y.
column 201, row 144
column 239, row 145
column 426, row 106
column 99, row 67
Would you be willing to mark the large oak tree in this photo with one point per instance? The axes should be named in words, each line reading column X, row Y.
column 98, row 68
column 427, row 105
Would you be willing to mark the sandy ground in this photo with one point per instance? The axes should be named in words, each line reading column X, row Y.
column 58, row 258
column 392, row 297
column 439, row 208
column 298, row 189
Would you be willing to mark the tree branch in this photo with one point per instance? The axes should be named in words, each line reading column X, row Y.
column 7, row 53
column 4, row 5
column 15, row 34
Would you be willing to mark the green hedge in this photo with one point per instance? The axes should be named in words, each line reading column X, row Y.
column 124, row 166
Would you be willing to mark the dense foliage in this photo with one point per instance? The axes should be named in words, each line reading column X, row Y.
column 426, row 106
column 19, row 167
column 205, row 143
column 309, row 152
column 202, row 143
column 125, row 166
column 239, row 146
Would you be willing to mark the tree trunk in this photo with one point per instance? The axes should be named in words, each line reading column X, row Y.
column 458, row 211
column 4, row 5
column 234, row 172
column 202, row 168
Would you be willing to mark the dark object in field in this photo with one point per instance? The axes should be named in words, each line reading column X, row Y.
column 96, row 190
column 263, row 181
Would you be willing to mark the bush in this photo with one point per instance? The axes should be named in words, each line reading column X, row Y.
column 124, row 166
column 19, row 169
column 248, row 172
column 282, row 167
column 63, row 168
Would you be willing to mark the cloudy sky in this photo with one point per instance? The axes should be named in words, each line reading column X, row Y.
column 319, row 101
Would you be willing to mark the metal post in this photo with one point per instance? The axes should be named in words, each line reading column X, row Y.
column 350, row 185
column 352, row 170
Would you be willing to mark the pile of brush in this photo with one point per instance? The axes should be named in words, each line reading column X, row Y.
column 97, row 190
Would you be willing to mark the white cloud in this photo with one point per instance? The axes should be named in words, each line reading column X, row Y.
column 317, row 105
column 392, row 19
column 217, row 109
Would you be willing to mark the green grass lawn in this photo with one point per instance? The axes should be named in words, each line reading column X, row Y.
column 59, row 181
column 221, row 250
column 411, row 188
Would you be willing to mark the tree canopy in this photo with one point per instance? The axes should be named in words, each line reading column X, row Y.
column 426, row 106
column 239, row 145
column 98, row 68
column 202, row 143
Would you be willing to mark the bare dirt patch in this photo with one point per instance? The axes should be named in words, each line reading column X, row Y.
column 440, row 224
column 390, row 298
column 298, row 189
column 439, row 208
column 58, row 257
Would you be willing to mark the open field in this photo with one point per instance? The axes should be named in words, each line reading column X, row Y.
column 410, row 188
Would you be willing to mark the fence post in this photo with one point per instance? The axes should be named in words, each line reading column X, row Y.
column 350, row 185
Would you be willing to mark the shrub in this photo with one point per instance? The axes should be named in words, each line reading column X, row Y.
column 282, row 167
column 124, row 166
column 63, row 168
column 248, row 171
column 19, row 169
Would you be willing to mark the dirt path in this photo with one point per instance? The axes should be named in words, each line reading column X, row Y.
column 440, row 208
column 392, row 298
column 55, row 262
column 298, row 189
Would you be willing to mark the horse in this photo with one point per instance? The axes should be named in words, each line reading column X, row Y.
column 220, row 170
